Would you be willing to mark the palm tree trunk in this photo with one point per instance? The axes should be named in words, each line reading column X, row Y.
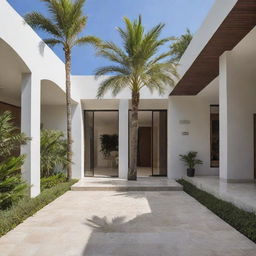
column 132, row 175
column 68, row 108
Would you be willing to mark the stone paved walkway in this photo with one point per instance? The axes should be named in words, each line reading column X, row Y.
column 125, row 224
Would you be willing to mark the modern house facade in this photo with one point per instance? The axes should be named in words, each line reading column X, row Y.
column 211, row 110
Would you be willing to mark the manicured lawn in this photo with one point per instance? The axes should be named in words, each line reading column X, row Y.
column 9, row 219
column 244, row 222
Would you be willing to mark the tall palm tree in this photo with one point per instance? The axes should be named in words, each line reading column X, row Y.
column 66, row 21
column 136, row 65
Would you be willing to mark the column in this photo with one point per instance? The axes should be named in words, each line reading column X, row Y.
column 237, row 106
column 123, row 138
column 30, row 125
column 78, row 142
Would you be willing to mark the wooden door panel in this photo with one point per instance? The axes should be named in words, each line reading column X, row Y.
column 144, row 146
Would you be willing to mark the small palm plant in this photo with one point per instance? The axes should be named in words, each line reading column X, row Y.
column 136, row 65
column 53, row 152
column 12, row 187
column 64, row 25
column 191, row 161
column 10, row 137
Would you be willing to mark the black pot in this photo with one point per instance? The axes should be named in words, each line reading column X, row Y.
column 190, row 172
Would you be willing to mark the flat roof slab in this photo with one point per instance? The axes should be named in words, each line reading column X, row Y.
column 237, row 24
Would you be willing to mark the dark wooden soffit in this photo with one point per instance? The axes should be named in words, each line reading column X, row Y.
column 240, row 21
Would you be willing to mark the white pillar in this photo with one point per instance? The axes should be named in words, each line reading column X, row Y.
column 30, row 125
column 223, row 117
column 123, row 138
column 237, row 105
column 78, row 142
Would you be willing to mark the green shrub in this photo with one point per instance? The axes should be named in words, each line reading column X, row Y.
column 25, row 208
column 10, row 136
column 12, row 187
column 49, row 182
column 243, row 221
column 53, row 151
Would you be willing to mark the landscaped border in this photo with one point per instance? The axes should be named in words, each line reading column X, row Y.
column 243, row 221
column 25, row 208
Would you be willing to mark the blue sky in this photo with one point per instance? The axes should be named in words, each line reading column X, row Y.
column 105, row 15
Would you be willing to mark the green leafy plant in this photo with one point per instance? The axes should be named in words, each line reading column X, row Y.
column 109, row 143
column 138, row 64
column 180, row 45
column 49, row 182
column 10, row 136
column 64, row 25
column 190, row 159
column 12, row 187
column 53, row 151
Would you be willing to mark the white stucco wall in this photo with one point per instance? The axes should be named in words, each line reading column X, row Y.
column 54, row 117
column 237, row 107
column 196, row 110
column 85, row 87
column 78, row 141
column 30, row 47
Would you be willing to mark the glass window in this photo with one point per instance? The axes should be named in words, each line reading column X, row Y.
column 214, row 135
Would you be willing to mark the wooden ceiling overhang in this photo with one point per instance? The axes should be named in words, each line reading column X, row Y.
column 239, row 22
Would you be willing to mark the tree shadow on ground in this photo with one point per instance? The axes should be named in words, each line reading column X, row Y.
column 116, row 235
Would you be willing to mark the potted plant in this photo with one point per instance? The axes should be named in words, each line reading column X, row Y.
column 109, row 144
column 190, row 161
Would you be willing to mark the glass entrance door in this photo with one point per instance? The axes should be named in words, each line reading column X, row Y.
column 101, row 143
column 159, row 143
column 152, row 143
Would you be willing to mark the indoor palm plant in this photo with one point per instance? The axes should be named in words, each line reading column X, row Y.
column 190, row 161
column 109, row 143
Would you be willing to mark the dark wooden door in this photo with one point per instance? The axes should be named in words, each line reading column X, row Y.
column 144, row 147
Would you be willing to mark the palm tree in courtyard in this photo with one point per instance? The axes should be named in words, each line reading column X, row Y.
column 136, row 65
column 64, row 25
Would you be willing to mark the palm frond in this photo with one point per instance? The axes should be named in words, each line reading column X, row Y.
column 65, row 22
column 160, row 57
column 112, row 52
column 110, row 70
column 114, row 83
column 137, row 64
column 52, row 42
column 76, row 28
column 38, row 21
column 178, row 48
column 88, row 40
